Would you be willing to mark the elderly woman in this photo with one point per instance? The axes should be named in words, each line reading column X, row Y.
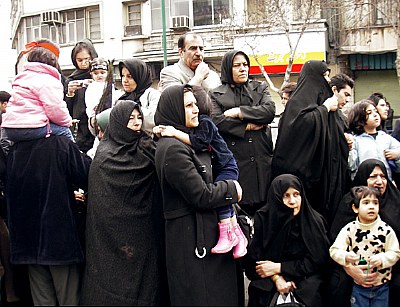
column 290, row 246
column 136, row 81
column 123, row 232
column 242, row 111
column 195, row 275
column 371, row 172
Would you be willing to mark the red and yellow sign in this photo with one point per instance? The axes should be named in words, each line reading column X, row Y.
column 277, row 63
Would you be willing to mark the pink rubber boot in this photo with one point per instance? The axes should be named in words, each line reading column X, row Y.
column 227, row 239
column 241, row 248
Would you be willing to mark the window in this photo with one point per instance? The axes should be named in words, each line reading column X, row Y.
column 202, row 12
column 94, row 24
column 32, row 28
column 73, row 27
column 134, row 19
column 210, row 12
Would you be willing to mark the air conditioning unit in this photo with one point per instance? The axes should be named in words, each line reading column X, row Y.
column 133, row 30
column 179, row 22
column 50, row 17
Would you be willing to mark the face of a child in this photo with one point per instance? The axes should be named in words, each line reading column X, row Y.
column 368, row 209
column 83, row 59
column 129, row 84
column 135, row 121
column 99, row 75
column 292, row 199
column 373, row 118
column 383, row 109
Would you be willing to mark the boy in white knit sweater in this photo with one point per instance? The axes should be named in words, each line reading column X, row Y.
column 368, row 240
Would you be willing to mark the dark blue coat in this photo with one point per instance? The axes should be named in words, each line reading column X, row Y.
column 42, row 213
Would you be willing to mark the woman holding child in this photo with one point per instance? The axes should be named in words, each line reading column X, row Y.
column 195, row 275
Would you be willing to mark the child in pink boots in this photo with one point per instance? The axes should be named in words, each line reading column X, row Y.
column 207, row 137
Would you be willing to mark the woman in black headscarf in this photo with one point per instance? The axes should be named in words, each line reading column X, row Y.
column 242, row 111
column 81, row 55
column 311, row 142
column 196, row 277
column 371, row 172
column 136, row 81
column 122, row 232
column 290, row 246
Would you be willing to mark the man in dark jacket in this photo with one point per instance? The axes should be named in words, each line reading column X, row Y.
column 41, row 175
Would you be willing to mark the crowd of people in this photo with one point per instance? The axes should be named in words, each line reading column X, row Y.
column 131, row 196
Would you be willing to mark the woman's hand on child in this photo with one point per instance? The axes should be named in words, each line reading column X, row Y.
column 362, row 275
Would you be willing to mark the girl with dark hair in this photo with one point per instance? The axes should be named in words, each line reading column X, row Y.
column 36, row 108
column 369, row 142
column 206, row 137
column 137, row 81
column 196, row 277
column 75, row 88
column 290, row 246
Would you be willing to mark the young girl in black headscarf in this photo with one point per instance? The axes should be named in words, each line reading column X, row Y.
column 136, row 81
column 290, row 246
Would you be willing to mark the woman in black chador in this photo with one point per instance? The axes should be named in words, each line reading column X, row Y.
column 290, row 246
column 371, row 172
column 123, row 234
column 311, row 142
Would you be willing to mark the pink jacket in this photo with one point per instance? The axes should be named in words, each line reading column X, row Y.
column 37, row 98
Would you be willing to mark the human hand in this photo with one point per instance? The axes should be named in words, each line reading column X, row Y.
column 361, row 275
column 202, row 71
column 375, row 261
column 164, row 130
column 254, row 127
column 350, row 140
column 267, row 268
column 351, row 257
column 73, row 86
column 284, row 286
column 331, row 103
column 79, row 195
column 391, row 154
column 238, row 190
column 234, row 112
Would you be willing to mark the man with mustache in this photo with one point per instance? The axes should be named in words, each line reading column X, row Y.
column 190, row 68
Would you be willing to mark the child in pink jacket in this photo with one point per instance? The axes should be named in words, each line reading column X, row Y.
column 36, row 108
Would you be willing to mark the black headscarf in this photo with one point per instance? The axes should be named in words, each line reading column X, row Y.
column 242, row 94
column 311, row 142
column 273, row 224
column 140, row 72
column 389, row 210
column 170, row 110
column 80, row 74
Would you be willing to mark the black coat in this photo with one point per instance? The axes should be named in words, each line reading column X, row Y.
column 251, row 149
column 41, row 176
column 189, row 197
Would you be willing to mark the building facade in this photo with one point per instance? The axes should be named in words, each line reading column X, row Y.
column 267, row 30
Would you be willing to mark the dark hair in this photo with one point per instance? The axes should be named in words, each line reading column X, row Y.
column 357, row 116
column 288, row 88
column 202, row 99
column 340, row 81
column 182, row 38
column 4, row 96
column 43, row 55
column 375, row 97
column 361, row 192
column 85, row 44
